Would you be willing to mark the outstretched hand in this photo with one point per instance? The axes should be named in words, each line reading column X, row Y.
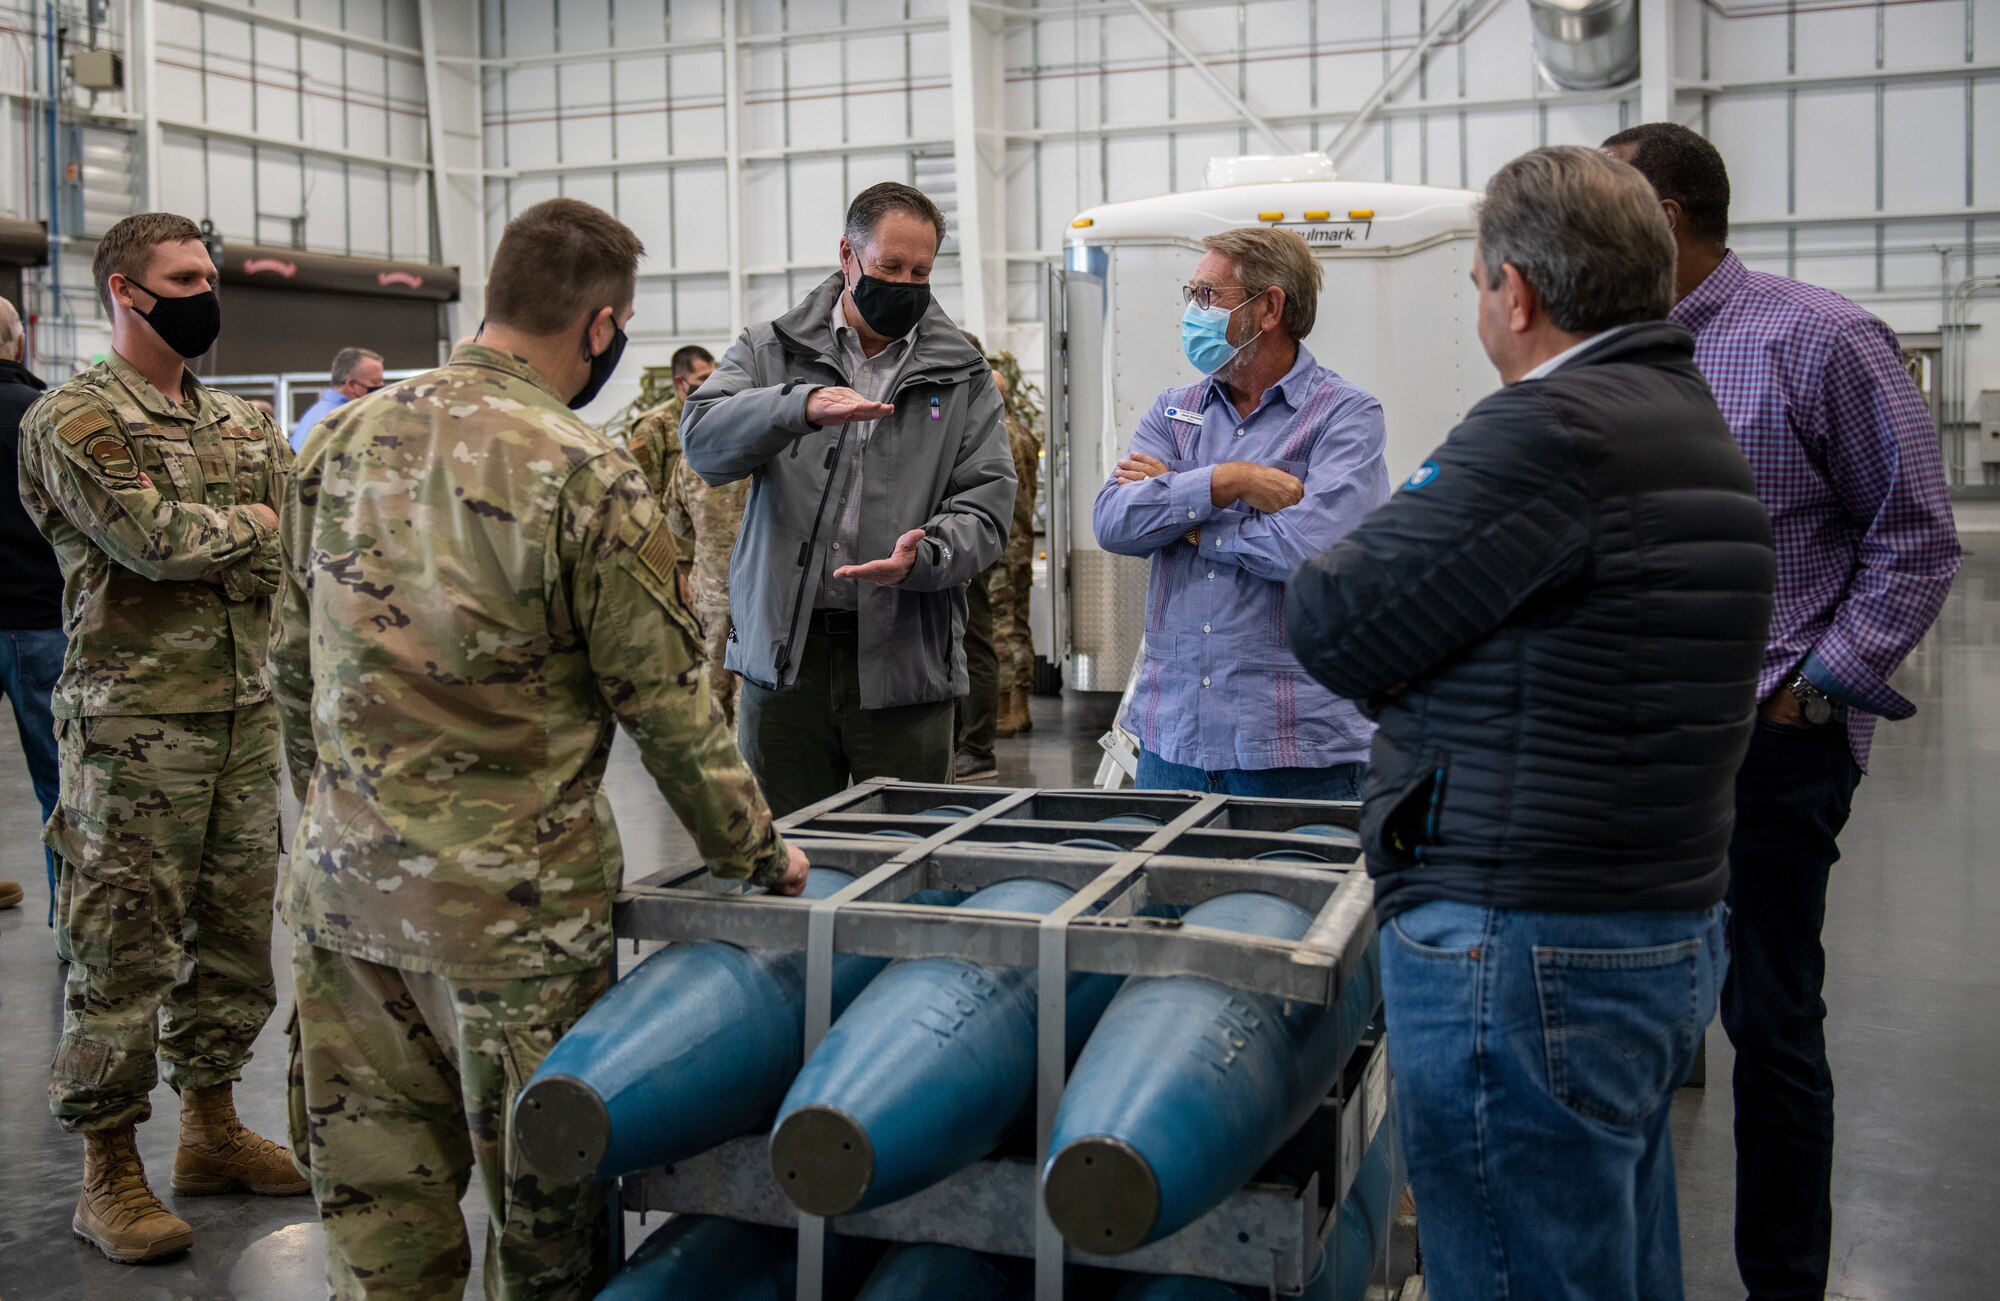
column 842, row 406
column 890, row 572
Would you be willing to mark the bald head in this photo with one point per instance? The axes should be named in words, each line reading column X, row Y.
column 10, row 331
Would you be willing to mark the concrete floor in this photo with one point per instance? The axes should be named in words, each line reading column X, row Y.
column 1913, row 988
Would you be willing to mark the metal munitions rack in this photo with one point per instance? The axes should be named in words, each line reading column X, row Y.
column 891, row 836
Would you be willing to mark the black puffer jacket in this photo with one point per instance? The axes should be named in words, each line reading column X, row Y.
column 1559, row 623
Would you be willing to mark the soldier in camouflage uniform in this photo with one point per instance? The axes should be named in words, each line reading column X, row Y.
column 479, row 586
column 158, row 495
column 654, row 440
column 1010, row 581
column 715, row 517
column 704, row 520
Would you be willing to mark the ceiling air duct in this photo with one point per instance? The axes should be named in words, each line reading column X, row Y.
column 1586, row 44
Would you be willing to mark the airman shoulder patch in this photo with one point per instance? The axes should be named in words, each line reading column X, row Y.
column 659, row 554
column 112, row 457
column 83, row 424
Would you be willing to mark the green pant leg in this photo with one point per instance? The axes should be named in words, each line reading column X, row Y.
column 911, row 742
column 978, row 708
column 383, row 1131
column 545, row 1238
column 789, row 737
column 214, row 1015
column 129, row 832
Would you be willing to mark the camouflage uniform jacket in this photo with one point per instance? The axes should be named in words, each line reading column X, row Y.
column 478, row 585
column 167, row 572
column 1026, row 446
column 654, row 440
column 716, row 517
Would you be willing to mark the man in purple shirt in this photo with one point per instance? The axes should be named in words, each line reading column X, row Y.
column 1846, row 460
column 1229, row 485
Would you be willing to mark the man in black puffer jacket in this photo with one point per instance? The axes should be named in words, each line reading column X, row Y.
column 1559, row 623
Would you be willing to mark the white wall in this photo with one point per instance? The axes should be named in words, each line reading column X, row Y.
column 645, row 134
column 289, row 122
column 1824, row 108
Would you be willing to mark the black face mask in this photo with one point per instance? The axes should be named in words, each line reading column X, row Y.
column 891, row 308
column 601, row 365
column 187, row 325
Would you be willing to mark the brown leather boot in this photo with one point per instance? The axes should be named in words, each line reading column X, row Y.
column 218, row 1155
column 117, row 1212
column 1023, row 720
column 10, row 893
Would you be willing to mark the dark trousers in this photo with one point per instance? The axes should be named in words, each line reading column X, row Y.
column 813, row 738
column 31, row 660
column 1793, row 795
column 979, row 707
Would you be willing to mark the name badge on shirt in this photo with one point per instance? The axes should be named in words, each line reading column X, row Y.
column 1185, row 417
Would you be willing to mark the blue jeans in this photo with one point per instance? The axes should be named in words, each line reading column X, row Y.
column 1535, row 1058
column 1342, row 781
column 30, row 662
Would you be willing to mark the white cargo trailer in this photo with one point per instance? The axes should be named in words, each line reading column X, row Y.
column 1396, row 316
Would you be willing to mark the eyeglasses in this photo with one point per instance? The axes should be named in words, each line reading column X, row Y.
column 1204, row 295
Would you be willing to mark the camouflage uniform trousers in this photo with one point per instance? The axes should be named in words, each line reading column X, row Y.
column 1009, row 582
column 715, row 625
column 400, row 1083
column 166, row 837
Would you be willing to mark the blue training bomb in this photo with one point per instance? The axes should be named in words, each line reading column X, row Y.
column 692, row 1048
column 1188, row 1087
column 714, row 1259
column 933, row 1270
column 924, row 1074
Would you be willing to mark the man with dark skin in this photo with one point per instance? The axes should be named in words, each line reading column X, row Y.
column 1845, row 456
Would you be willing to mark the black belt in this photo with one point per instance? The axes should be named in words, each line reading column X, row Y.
column 836, row 623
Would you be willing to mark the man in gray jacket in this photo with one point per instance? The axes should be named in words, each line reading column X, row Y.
column 881, row 484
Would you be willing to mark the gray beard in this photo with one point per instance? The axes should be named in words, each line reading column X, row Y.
column 1229, row 369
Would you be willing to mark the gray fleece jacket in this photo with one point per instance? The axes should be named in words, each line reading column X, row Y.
column 940, row 463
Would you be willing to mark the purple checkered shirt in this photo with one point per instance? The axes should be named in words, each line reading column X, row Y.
column 1846, row 459
column 1220, row 689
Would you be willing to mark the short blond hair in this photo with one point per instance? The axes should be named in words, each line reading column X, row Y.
column 1267, row 257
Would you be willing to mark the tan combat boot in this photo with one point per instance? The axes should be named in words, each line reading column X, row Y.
column 1023, row 720
column 10, row 894
column 117, row 1212
column 218, row 1155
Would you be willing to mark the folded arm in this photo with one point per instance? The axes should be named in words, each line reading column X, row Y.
column 1140, row 517
column 95, row 483
column 1345, row 480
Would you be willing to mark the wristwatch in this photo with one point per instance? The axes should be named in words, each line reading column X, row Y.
column 1193, row 536
column 1815, row 704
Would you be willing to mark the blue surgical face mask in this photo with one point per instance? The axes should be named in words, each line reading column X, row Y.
column 1205, row 335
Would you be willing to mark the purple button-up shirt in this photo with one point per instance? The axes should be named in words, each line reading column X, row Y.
column 1220, row 689
column 1846, row 459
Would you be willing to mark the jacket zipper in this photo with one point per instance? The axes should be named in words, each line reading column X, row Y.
column 805, row 553
column 812, row 536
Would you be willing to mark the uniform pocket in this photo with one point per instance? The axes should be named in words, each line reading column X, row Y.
column 172, row 465
column 105, row 913
column 1618, row 1025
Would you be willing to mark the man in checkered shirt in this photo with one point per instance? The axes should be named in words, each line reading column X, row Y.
column 1846, row 459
